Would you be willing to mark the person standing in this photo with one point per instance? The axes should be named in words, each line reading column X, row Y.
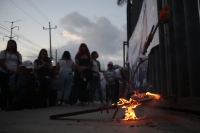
column 65, row 66
column 110, row 76
column 95, row 82
column 10, row 60
column 43, row 68
column 52, row 99
column 123, row 77
column 83, row 72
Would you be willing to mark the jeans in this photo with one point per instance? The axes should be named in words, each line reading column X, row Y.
column 65, row 82
column 43, row 93
column 82, row 90
column 74, row 93
column 110, row 92
column 95, row 84
column 6, row 97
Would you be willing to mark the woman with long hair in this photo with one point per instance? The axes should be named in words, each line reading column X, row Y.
column 83, row 71
column 43, row 67
column 10, row 60
column 65, row 66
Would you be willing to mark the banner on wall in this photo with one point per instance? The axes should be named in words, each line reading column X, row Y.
column 148, row 17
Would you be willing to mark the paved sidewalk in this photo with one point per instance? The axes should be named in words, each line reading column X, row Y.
column 152, row 121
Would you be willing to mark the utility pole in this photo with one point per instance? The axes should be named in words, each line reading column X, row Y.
column 56, row 56
column 50, row 37
column 124, row 55
column 12, row 29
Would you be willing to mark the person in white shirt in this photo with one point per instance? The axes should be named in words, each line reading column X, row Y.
column 110, row 76
column 10, row 60
column 95, row 83
column 65, row 66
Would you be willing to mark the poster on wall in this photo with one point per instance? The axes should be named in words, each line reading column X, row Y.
column 148, row 17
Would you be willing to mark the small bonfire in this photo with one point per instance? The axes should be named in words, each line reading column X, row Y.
column 135, row 101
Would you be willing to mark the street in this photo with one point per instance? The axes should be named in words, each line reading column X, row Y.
column 151, row 120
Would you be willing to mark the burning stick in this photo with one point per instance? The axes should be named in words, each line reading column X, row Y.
column 131, row 103
column 134, row 101
column 84, row 112
column 164, row 16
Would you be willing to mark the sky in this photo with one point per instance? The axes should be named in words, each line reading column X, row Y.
column 101, row 24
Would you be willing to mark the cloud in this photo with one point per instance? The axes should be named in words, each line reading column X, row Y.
column 99, row 34
column 71, row 36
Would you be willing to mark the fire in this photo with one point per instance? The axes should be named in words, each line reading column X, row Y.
column 129, row 105
column 134, row 102
column 155, row 96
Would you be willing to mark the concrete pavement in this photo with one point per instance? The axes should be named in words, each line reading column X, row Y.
column 151, row 121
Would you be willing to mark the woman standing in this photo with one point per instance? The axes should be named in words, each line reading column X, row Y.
column 10, row 60
column 83, row 60
column 43, row 68
column 65, row 66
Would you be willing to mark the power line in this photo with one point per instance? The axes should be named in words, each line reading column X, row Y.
column 22, row 37
column 30, row 48
column 41, row 13
column 24, row 45
column 26, row 13
column 22, row 22
column 3, row 33
column 4, row 29
column 38, row 10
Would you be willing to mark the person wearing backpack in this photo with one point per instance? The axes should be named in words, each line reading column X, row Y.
column 10, row 59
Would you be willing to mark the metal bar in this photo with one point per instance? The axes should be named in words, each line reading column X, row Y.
column 83, row 112
column 102, row 108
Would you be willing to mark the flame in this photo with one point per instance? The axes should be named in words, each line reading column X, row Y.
column 155, row 96
column 129, row 105
column 134, row 102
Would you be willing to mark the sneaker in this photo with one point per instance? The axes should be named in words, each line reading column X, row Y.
column 80, row 104
column 85, row 104
column 91, row 103
column 58, row 103
column 103, row 104
column 114, row 104
column 65, row 104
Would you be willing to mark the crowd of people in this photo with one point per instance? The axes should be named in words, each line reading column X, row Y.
column 39, row 84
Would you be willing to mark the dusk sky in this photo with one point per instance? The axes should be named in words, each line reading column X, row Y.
column 101, row 24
